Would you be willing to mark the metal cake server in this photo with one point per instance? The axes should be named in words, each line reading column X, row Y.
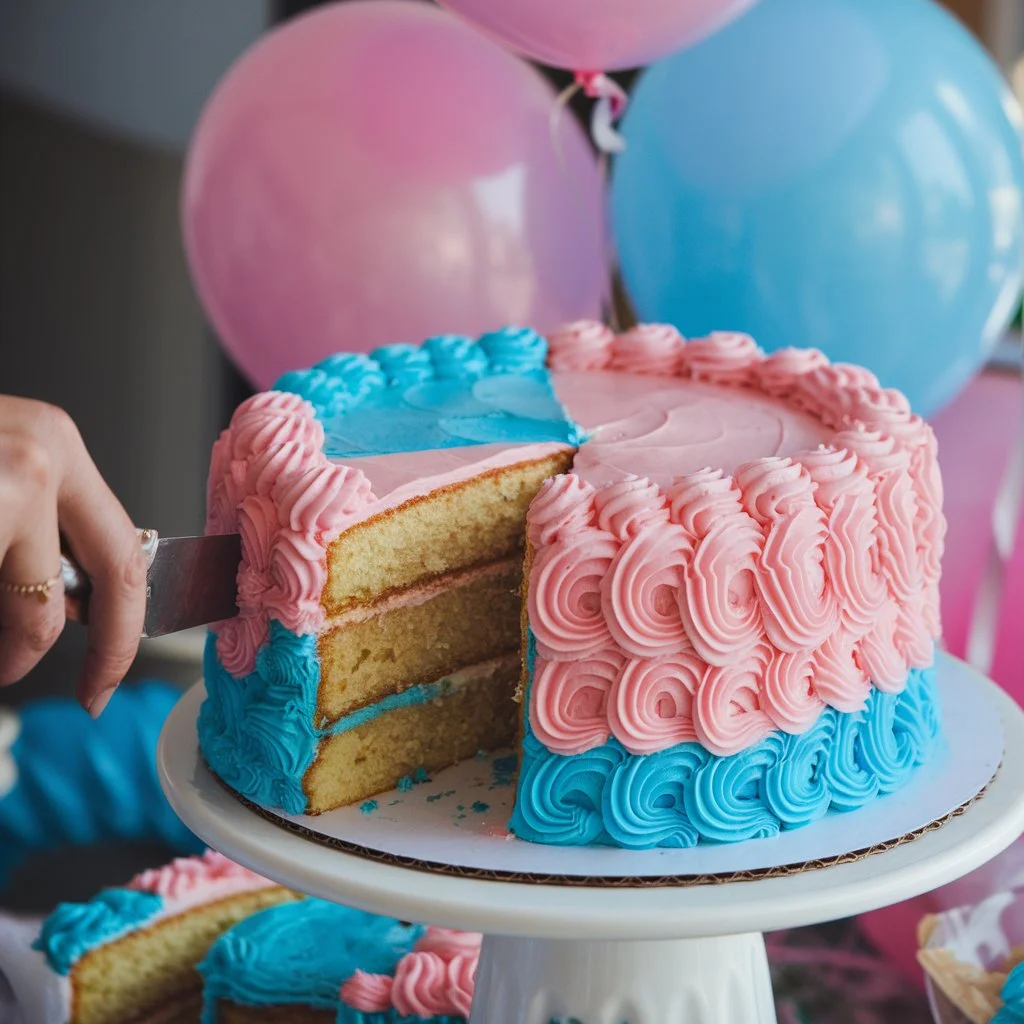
column 190, row 582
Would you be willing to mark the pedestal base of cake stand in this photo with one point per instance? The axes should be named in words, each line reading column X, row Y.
column 599, row 952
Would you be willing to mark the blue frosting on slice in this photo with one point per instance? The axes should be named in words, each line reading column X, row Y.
column 75, row 928
column 300, row 954
column 450, row 392
column 685, row 795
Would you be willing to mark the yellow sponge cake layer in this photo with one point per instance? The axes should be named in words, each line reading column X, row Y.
column 473, row 522
column 419, row 636
column 470, row 710
column 159, row 962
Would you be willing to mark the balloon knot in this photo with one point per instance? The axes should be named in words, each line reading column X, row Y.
column 610, row 106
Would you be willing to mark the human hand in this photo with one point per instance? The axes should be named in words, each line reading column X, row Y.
column 49, row 489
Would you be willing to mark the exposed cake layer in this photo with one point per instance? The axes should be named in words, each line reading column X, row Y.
column 418, row 635
column 130, row 954
column 466, row 522
column 428, row 727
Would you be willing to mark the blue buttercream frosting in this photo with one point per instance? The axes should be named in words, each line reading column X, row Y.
column 685, row 795
column 75, row 928
column 300, row 954
column 1012, row 1011
column 81, row 782
column 449, row 392
column 258, row 732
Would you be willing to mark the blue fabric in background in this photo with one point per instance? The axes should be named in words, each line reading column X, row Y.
column 82, row 781
column 842, row 174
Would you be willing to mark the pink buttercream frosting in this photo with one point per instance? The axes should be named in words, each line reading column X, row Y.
column 437, row 978
column 737, row 595
column 191, row 881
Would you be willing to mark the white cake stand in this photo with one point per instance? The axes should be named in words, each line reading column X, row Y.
column 678, row 954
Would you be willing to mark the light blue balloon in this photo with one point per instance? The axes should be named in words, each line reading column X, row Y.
column 845, row 174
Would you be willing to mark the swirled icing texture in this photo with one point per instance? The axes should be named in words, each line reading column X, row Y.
column 191, row 881
column 276, row 479
column 683, row 794
column 75, row 928
column 433, row 982
column 300, row 954
column 97, row 784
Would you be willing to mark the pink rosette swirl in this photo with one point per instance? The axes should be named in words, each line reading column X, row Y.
column 896, row 504
column 779, row 374
column 797, row 600
column 888, row 411
column 628, row 506
column 581, row 345
column 844, row 493
column 281, row 402
column 648, row 349
column 569, row 701
column 724, row 357
column 187, row 880
column 697, row 500
column 220, row 510
column 422, row 986
column 238, row 640
column 257, row 525
column 729, row 715
column 911, row 635
column 721, row 610
column 651, row 703
column 321, row 500
column 930, row 526
column 370, row 993
column 257, row 430
column 564, row 597
column 643, row 589
column 282, row 461
column 563, row 505
column 297, row 570
column 461, row 974
column 838, row 678
column 449, row 942
column 788, row 694
column 831, row 392
column 877, row 654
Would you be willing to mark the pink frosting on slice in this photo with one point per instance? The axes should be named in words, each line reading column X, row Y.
column 370, row 993
column 191, row 881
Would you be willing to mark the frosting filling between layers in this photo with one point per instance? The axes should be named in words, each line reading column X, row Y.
column 259, row 733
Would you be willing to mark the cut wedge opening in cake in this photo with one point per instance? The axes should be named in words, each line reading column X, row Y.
column 727, row 619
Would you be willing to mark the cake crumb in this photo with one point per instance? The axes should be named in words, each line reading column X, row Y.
column 480, row 807
column 440, row 796
column 393, row 802
column 368, row 807
column 481, row 754
column 405, row 784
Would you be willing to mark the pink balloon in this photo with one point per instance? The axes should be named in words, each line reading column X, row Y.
column 376, row 172
column 598, row 35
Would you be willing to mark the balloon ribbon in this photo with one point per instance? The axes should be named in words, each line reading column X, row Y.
column 610, row 106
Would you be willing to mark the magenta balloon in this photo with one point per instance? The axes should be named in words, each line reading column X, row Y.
column 598, row 35
column 376, row 172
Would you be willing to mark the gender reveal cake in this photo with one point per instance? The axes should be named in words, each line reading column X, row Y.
column 696, row 585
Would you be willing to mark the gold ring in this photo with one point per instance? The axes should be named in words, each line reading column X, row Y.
column 41, row 591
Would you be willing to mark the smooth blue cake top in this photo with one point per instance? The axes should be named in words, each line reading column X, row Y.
column 300, row 953
column 449, row 392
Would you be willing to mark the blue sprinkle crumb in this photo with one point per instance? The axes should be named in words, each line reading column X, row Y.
column 480, row 807
column 405, row 784
column 461, row 807
column 506, row 765
column 440, row 796
column 461, row 816
column 393, row 802
column 420, row 775
column 369, row 807
column 481, row 755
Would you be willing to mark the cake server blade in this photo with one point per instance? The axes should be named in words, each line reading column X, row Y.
column 190, row 582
